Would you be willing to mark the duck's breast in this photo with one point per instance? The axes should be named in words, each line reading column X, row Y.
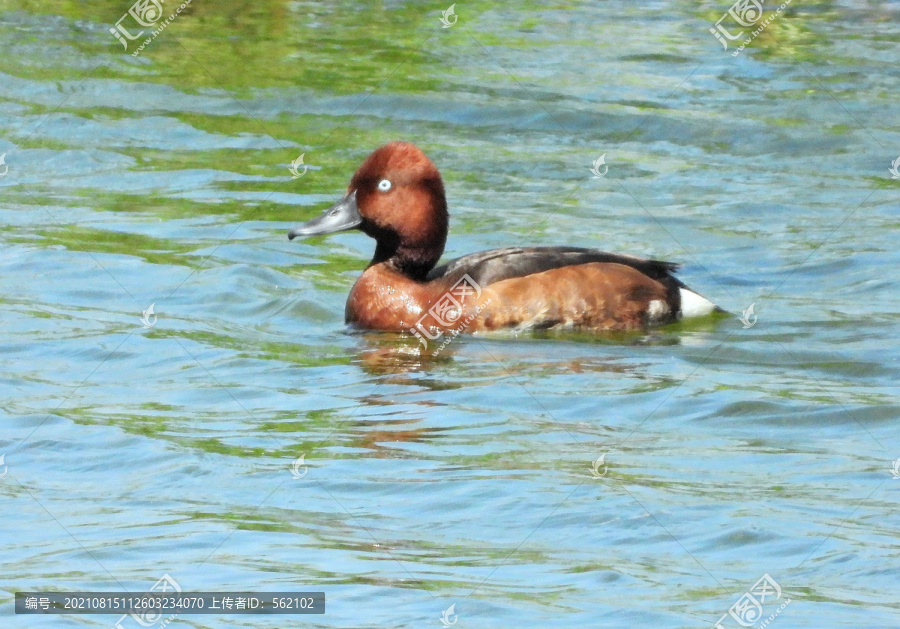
column 382, row 299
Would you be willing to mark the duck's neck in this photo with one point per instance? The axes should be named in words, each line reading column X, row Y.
column 415, row 252
column 413, row 262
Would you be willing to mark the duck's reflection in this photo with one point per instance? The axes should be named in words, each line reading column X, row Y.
column 388, row 354
column 617, row 362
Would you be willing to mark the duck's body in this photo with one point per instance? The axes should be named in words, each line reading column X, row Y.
column 397, row 197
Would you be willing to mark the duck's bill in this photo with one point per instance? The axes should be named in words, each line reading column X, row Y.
column 342, row 215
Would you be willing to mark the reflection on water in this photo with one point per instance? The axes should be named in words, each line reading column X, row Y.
column 463, row 478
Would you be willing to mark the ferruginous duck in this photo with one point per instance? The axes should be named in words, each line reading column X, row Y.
column 397, row 197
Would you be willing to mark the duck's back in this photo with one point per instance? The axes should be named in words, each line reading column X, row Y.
column 547, row 287
column 494, row 265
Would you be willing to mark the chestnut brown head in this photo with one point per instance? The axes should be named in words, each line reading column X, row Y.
column 396, row 197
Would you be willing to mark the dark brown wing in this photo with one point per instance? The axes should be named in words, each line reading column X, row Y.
column 488, row 267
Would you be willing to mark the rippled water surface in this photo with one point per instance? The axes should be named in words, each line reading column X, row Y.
column 729, row 452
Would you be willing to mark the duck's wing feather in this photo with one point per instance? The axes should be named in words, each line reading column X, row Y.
column 487, row 267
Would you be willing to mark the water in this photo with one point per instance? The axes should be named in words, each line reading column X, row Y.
column 729, row 453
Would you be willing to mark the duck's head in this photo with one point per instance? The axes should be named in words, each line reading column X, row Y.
column 397, row 198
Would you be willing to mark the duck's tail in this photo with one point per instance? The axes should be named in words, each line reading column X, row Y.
column 695, row 305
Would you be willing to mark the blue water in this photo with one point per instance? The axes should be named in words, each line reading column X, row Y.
column 728, row 452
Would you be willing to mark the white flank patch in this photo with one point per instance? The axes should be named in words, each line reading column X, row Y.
column 657, row 310
column 693, row 305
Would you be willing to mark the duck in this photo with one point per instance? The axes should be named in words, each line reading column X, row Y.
column 397, row 198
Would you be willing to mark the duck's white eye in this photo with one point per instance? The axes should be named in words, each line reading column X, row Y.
column 384, row 185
